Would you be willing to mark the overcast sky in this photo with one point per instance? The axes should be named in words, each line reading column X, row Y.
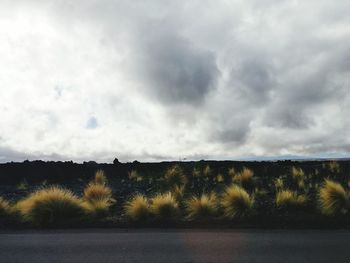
column 163, row 80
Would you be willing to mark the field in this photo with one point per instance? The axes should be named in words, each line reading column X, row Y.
column 312, row 194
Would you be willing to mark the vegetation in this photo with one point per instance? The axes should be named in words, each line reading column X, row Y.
column 138, row 209
column 287, row 199
column 100, row 178
column 5, row 208
column 334, row 166
column 333, row 198
column 186, row 192
column 236, row 202
column 207, row 171
column 244, row 178
column 175, row 176
column 134, row 176
column 203, row 206
column 97, row 196
column 51, row 206
column 165, row 206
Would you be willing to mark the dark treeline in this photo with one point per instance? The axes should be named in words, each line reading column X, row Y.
column 60, row 172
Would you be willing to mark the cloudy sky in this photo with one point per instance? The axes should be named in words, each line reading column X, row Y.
column 163, row 80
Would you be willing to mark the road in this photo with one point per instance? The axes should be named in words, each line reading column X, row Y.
column 175, row 246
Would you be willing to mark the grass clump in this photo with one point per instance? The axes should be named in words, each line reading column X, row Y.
column 244, row 178
column 279, row 183
column 196, row 172
column 334, row 166
column 165, row 206
column 231, row 172
column 95, row 192
column 202, row 207
column 97, row 209
column 98, row 196
column 220, row 178
column 100, row 178
column 333, row 198
column 138, row 209
column 207, row 171
column 175, row 176
column 134, row 176
column 51, row 206
column 287, row 199
column 178, row 192
column 5, row 208
column 236, row 202
column 297, row 174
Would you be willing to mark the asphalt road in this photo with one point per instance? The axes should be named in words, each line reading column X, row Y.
column 182, row 246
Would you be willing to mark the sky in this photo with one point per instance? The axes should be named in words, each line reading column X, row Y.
column 167, row 80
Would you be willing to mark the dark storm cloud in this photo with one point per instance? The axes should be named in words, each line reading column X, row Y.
column 298, row 97
column 174, row 69
column 238, row 77
column 253, row 80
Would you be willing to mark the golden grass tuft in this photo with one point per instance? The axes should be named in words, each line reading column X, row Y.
column 98, row 208
column 334, row 166
column 288, row 199
column 5, row 208
column 202, row 207
column 333, row 198
column 178, row 192
column 244, row 178
column 100, row 178
column 165, row 206
column 134, row 176
column 220, row 178
column 236, row 202
column 196, row 172
column 297, row 174
column 138, row 209
column 231, row 172
column 207, row 171
column 175, row 176
column 94, row 192
column 98, row 197
column 50, row 206
column 279, row 183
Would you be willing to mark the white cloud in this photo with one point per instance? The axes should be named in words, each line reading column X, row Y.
column 163, row 80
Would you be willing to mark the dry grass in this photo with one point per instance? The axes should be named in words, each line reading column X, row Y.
column 207, row 171
column 279, row 183
column 164, row 206
column 138, row 209
column 95, row 192
column 134, row 176
column 231, row 172
column 334, row 166
column 178, row 192
column 97, row 196
column 98, row 209
column 50, row 206
column 5, row 208
column 297, row 174
column 236, row 202
column 244, row 178
column 175, row 176
column 220, row 178
column 333, row 198
column 100, row 178
column 196, row 172
column 288, row 199
column 202, row 207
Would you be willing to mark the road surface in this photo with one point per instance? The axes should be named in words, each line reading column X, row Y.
column 176, row 246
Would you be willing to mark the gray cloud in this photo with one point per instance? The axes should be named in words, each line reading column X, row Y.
column 175, row 78
column 173, row 69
